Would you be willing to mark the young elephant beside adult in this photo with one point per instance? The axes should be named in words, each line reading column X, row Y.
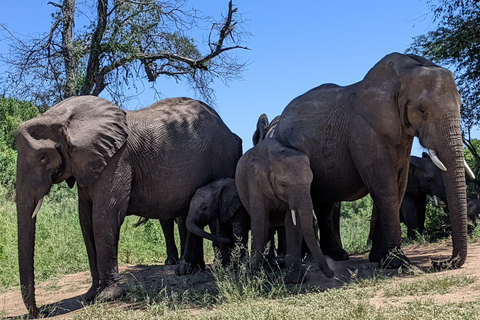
column 148, row 162
column 358, row 140
column 273, row 183
column 218, row 205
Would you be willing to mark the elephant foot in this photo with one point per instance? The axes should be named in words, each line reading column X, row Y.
column 185, row 268
column 337, row 255
column 171, row 261
column 92, row 293
column 111, row 292
column 374, row 255
column 295, row 275
column 394, row 259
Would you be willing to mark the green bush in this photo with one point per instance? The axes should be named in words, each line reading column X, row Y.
column 355, row 224
column 12, row 114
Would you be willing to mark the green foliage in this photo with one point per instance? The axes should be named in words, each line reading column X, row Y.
column 12, row 114
column 437, row 222
column 472, row 157
column 355, row 224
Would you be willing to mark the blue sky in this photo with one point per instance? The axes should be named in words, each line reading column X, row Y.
column 294, row 47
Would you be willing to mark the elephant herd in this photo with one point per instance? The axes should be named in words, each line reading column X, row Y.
column 177, row 159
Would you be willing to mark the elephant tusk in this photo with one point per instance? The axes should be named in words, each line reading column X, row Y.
column 294, row 219
column 37, row 208
column 469, row 170
column 436, row 161
column 435, row 200
column 314, row 216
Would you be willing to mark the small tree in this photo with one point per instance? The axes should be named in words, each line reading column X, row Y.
column 126, row 42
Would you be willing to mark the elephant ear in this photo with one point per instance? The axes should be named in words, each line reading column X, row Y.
column 262, row 126
column 229, row 201
column 379, row 92
column 95, row 130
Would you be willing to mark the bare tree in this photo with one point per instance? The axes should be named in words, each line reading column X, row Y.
column 126, row 43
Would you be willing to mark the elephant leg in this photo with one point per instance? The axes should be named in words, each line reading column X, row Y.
column 106, row 230
column 293, row 259
column 282, row 241
column 410, row 212
column 421, row 209
column 86, row 224
column 376, row 237
column 168, row 226
column 193, row 257
column 225, row 231
column 387, row 230
column 182, row 231
column 328, row 222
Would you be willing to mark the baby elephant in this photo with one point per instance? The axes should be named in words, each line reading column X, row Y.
column 217, row 204
column 473, row 210
column 274, row 185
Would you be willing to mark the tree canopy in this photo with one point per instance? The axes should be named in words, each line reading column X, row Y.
column 117, row 45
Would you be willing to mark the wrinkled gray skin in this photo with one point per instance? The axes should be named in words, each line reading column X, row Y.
column 217, row 204
column 358, row 140
column 473, row 210
column 148, row 162
column 263, row 131
column 271, row 181
column 266, row 130
column 424, row 178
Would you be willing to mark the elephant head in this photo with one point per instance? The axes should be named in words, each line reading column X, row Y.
column 72, row 141
column 425, row 177
column 271, row 177
column 404, row 96
column 217, row 200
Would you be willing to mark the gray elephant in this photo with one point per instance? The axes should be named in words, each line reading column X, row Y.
column 148, row 162
column 273, row 183
column 473, row 210
column 217, row 204
column 424, row 178
column 358, row 140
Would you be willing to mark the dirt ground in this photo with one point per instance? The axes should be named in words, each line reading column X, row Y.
column 66, row 293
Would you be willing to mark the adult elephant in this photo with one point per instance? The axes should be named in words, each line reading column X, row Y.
column 358, row 140
column 147, row 162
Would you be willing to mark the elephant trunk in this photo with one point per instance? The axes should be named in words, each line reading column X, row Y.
column 303, row 204
column 194, row 228
column 451, row 153
column 26, row 245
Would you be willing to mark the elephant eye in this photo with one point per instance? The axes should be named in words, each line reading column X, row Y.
column 284, row 184
column 422, row 109
column 43, row 159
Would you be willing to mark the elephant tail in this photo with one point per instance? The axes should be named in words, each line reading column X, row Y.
column 195, row 229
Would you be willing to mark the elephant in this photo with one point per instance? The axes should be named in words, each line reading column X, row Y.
column 424, row 178
column 266, row 130
column 271, row 181
column 358, row 140
column 473, row 210
column 217, row 204
column 147, row 162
